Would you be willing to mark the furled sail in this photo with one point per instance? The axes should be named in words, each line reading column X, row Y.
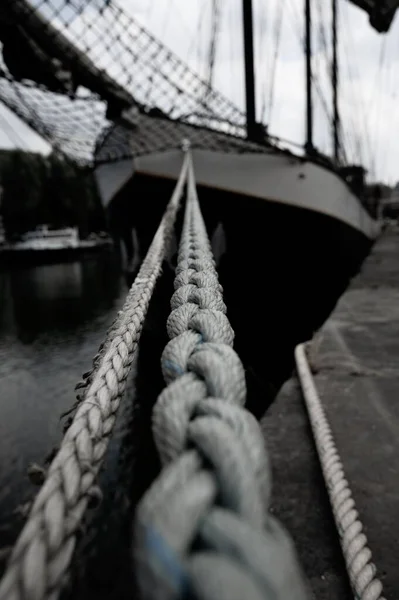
column 381, row 12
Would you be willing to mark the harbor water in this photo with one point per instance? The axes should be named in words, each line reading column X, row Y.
column 52, row 321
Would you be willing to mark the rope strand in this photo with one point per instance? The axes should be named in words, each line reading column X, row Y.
column 353, row 541
column 203, row 528
column 42, row 554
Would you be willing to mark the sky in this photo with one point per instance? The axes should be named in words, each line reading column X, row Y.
column 369, row 73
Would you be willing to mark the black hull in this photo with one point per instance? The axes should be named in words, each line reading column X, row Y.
column 283, row 271
column 281, row 287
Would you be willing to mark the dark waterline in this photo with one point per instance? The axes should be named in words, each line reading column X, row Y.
column 52, row 320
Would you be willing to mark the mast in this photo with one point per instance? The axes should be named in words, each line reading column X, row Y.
column 249, row 68
column 308, row 53
column 335, row 81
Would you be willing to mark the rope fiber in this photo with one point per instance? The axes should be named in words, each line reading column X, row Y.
column 203, row 529
column 41, row 556
column 361, row 570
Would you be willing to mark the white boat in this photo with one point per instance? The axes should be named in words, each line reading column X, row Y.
column 43, row 238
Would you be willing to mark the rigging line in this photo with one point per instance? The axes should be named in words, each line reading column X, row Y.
column 393, row 78
column 190, row 95
column 197, row 32
column 346, row 144
column 323, row 38
column 295, row 20
column 260, row 57
column 348, row 139
column 348, row 133
column 380, row 86
column 11, row 133
column 199, row 43
column 321, row 59
column 386, row 174
column 319, row 106
column 231, row 52
column 379, row 73
column 326, row 40
column 215, row 26
column 390, row 98
column 148, row 13
column 357, row 153
column 353, row 128
column 187, row 25
column 296, row 28
column 351, row 136
column 384, row 82
column 322, row 98
column 263, row 56
column 345, row 132
column 326, row 57
column 166, row 20
column 277, row 39
column 347, row 122
column 315, row 78
column 46, row 132
column 362, row 109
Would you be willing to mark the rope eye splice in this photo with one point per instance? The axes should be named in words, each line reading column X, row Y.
column 203, row 529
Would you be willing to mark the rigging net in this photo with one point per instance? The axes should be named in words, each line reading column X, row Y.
column 71, row 67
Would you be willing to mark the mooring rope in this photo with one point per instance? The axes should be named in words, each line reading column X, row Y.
column 361, row 570
column 43, row 551
column 203, row 529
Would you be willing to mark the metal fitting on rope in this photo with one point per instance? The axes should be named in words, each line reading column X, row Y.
column 203, row 528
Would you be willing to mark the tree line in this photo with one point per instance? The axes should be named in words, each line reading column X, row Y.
column 50, row 190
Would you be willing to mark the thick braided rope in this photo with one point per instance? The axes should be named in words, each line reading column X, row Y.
column 203, row 530
column 42, row 554
column 357, row 555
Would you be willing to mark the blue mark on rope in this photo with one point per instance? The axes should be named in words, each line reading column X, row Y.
column 171, row 366
column 168, row 560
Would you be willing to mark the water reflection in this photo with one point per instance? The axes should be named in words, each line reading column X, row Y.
column 50, row 298
column 51, row 282
column 52, row 321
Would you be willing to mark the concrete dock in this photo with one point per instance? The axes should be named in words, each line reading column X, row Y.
column 355, row 358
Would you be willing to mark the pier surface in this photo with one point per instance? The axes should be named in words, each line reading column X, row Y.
column 356, row 362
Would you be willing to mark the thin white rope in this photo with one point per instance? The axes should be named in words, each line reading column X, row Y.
column 361, row 571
